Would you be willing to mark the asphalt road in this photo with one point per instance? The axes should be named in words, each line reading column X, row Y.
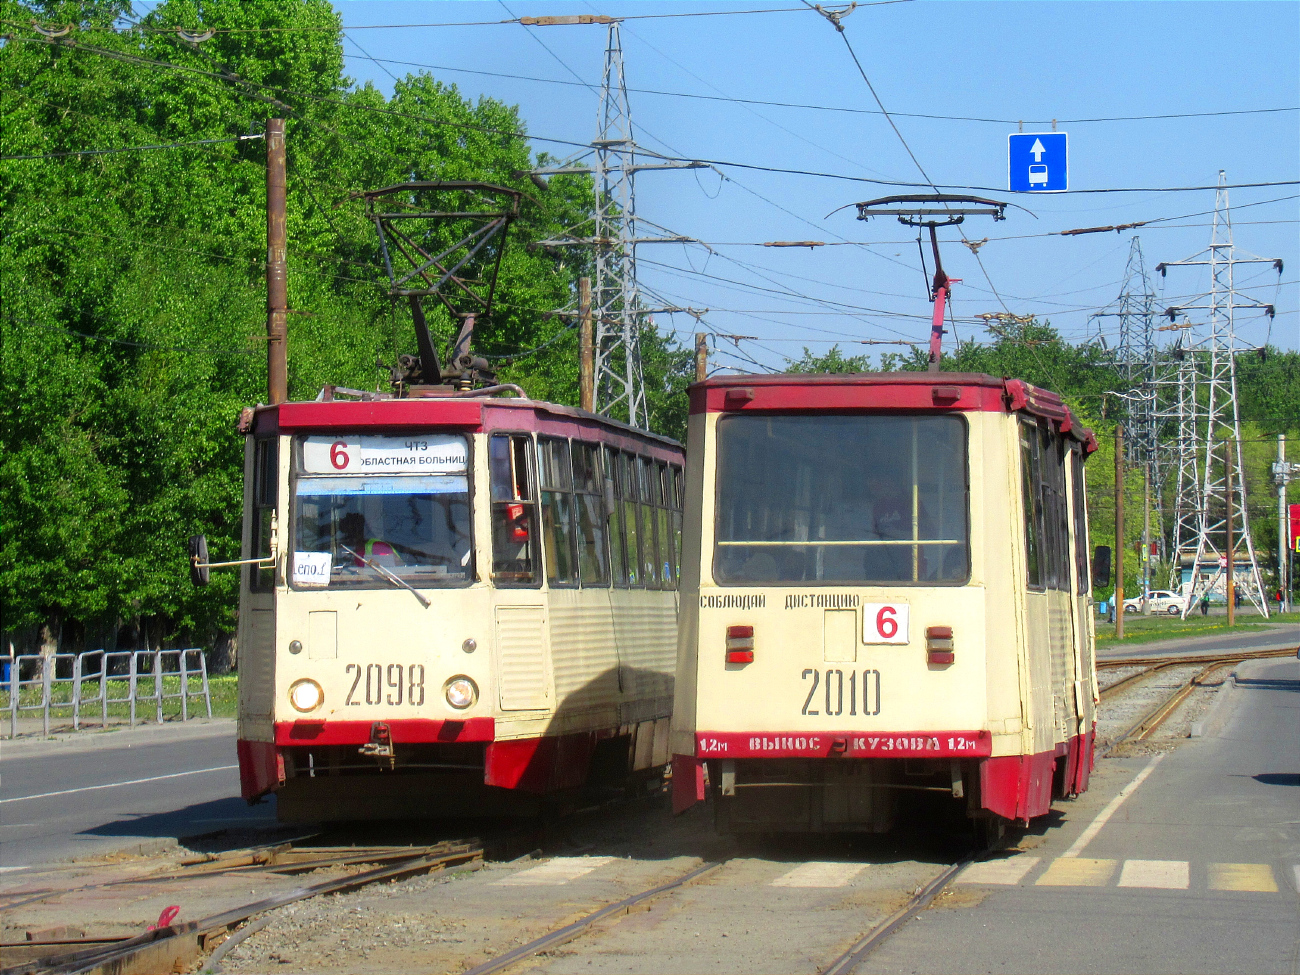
column 1195, row 870
column 95, row 793
column 1269, row 638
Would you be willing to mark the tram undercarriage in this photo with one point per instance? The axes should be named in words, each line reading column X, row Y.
column 841, row 795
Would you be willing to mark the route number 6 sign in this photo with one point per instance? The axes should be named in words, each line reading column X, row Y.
column 884, row 622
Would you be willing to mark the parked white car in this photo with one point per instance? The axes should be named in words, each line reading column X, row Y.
column 1161, row 600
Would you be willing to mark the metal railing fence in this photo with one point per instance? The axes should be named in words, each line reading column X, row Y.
column 100, row 680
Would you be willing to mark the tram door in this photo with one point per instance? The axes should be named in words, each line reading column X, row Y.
column 524, row 678
column 1049, row 599
column 257, row 615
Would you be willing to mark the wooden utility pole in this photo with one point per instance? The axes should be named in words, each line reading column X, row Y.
column 1231, row 546
column 277, row 294
column 1119, row 531
column 586, row 348
column 1146, row 539
column 701, row 356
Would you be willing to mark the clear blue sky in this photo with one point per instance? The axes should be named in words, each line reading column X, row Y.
column 1008, row 61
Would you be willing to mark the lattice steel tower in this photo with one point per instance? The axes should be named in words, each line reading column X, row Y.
column 616, row 304
column 1209, row 419
column 615, row 299
column 1136, row 358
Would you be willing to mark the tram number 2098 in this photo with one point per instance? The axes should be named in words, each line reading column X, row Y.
column 387, row 684
column 839, row 689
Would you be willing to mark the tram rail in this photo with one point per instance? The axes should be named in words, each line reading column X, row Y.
column 172, row 945
column 1156, row 716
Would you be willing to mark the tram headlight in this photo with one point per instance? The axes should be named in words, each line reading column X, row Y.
column 306, row 695
column 461, row 692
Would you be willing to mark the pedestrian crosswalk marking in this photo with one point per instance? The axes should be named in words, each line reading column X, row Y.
column 1009, row 871
column 1295, row 869
column 819, row 874
column 1242, row 876
column 559, row 870
column 1162, row 874
column 1078, row 872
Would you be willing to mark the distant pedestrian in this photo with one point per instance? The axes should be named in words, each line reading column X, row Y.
column 1205, row 605
column 1236, row 597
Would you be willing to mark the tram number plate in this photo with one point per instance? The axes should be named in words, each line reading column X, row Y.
column 838, row 689
column 392, row 684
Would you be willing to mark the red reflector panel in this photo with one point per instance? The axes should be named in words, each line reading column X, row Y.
column 740, row 644
column 939, row 645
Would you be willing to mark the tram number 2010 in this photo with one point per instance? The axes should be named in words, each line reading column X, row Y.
column 387, row 684
column 839, row 689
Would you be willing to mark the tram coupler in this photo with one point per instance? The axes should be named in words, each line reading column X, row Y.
column 380, row 746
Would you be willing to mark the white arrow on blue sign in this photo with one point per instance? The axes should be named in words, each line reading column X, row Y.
column 1037, row 162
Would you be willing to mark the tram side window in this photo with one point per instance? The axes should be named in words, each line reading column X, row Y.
column 614, row 518
column 1033, row 505
column 557, row 512
column 1056, row 522
column 1081, row 566
column 266, row 477
column 667, row 554
column 589, row 516
column 514, row 511
column 628, row 483
column 651, row 498
column 675, row 475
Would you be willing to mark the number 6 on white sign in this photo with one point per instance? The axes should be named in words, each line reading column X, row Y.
column 884, row 622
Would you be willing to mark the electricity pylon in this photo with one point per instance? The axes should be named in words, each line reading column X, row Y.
column 1143, row 372
column 615, row 298
column 1210, row 419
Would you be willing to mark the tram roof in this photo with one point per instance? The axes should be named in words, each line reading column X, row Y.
column 900, row 391
column 380, row 413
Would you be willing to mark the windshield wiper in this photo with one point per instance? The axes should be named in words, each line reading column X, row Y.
column 387, row 575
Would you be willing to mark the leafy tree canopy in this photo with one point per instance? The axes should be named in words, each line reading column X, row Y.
column 133, row 283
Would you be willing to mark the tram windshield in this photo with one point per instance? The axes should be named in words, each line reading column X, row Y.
column 384, row 529
column 842, row 500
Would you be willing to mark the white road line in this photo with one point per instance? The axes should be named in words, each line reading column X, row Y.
column 1162, row 874
column 114, row 785
column 558, row 871
column 1103, row 817
column 1009, row 871
column 819, row 874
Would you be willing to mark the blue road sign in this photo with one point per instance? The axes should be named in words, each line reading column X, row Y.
column 1036, row 162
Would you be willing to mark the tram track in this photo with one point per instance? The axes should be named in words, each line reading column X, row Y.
column 172, row 945
column 1155, row 716
column 843, row 963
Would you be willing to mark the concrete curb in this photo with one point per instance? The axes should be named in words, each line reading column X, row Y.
column 117, row 736
column 1212, row 723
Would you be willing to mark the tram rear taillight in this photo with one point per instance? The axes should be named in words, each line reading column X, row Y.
column 740, row 644
column 938, row 645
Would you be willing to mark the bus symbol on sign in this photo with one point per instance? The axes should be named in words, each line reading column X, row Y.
column 885, row 622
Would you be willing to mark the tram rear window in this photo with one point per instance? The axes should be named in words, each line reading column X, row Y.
column 382, row 530
column 842, row 500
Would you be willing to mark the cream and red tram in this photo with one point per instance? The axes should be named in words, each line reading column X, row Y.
column 469, row 599
column 885, row 588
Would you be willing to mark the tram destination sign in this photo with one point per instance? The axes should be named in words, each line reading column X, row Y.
column 428, row 453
